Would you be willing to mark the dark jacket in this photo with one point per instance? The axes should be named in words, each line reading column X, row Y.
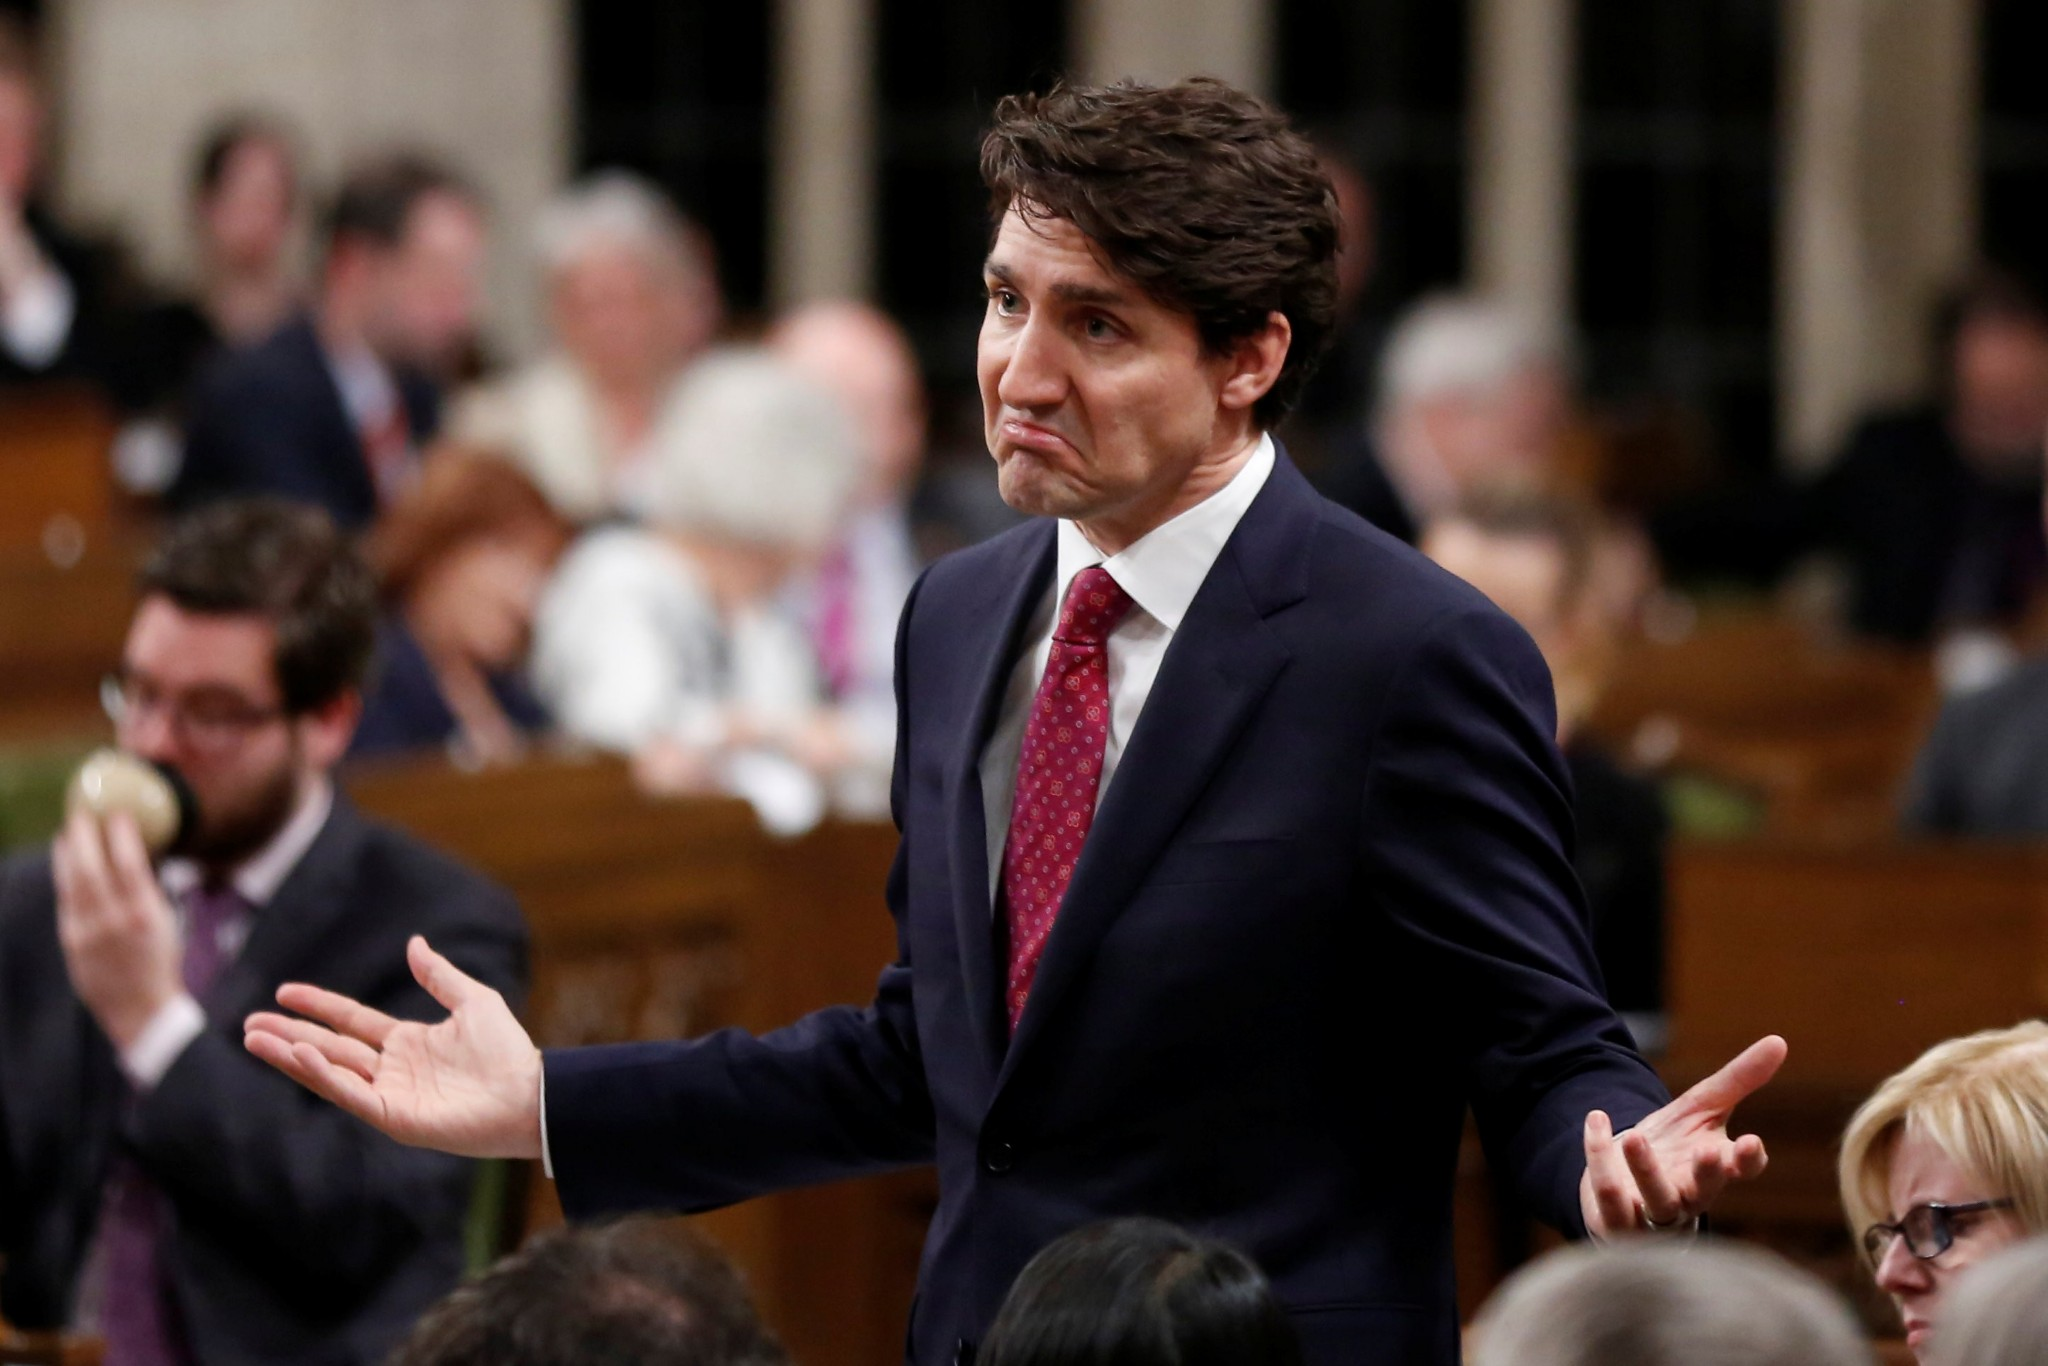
column 269, row 419
column 296, row 1233
column 1327, row 902
column 1984, row 768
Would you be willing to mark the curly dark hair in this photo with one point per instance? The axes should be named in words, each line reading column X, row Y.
column 285, row 561
column 1198, row 193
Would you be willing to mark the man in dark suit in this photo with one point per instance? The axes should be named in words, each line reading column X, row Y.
column 157, row 1185
column 334, row 407
column 1234, row 838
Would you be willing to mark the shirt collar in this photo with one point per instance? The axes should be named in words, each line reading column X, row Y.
column 368, row 392
column 1163, row 569
column 259, row 876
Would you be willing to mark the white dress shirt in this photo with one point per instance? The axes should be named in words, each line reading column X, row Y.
column 181, row 1020
column 1162, row 571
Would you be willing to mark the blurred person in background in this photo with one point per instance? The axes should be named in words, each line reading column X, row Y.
column 632, row 294
column 637, row 1292
column 1710, row 1304
column 1983, row 769
column 1472, row 396
column 334, row 407
column 461, row 562
column 159, row 1187
column 1140, row 1292
column 669, row 641
column 852, row 601
column 50, row 283
column 245, row 205
column 1538, row 558
column 1937, row 509
column 1326, row 434
column 2000, row 1313
column 1947, row 1163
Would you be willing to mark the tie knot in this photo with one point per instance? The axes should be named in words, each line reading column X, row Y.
column 1095, row 604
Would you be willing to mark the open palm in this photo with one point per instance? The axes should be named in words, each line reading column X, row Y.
column 469, row 1084
column 1672, row 1166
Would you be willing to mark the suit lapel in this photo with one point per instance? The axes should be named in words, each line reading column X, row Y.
column 1218, row 667
column 312, row 897
column 994, row 637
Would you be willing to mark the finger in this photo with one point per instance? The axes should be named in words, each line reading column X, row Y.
column 128, row 868
column 1740, row 1078
column 1710, row 1171
column 445, row 982
column 1662, row 1202
column 337, row 1012
column 1749, row 1159
column 307, row 1066
column 355, row 1055
column 1614, row 1193
column 87, row 857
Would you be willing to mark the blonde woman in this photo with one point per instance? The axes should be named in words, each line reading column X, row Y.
column 1948, row 1163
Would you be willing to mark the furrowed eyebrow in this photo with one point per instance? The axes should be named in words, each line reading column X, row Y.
column 1089, row 294
column 995, row 270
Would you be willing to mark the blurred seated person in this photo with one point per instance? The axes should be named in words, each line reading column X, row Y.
column 852, row 602
column 1946, row 1164
column 50, row 282
column 632, row 297
column 1140, row 1292
column 2000, row 1314
column 1539, row 559
column 669, row 641
column 334, row 407
column 638, row 1291
column 244, row 204
column 1665, row 1304
column 1472, row 396
column 1937, row 509
column 462, row 562
column 158, row 1186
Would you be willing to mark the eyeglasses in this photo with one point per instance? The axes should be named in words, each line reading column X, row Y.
column 209, row 722
column 1929, row 1230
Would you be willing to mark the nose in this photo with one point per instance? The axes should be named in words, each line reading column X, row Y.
column 1899, row 1272
column 1033, row 377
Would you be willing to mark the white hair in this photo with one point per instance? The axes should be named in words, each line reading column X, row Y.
column 613, row 208
column 1462, row 344
column 1666, row 1304
column 1998, row 1315
column 752, row 450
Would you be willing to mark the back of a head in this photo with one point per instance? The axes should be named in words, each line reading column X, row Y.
column 1999, row 1316
column 755, row 452
column 1140, row 1292
column 1665, row 1304
column 638, row 1291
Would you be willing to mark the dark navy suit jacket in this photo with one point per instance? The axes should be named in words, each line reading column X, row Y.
column 1326, row 904
column 269, row 419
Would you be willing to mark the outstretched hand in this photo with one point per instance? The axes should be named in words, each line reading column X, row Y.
column 1669, row 1169
column 468, row 1085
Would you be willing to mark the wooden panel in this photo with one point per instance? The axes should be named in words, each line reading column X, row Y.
column 61, row 627
column 53, row 464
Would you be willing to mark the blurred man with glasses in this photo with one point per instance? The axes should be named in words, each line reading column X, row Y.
column 157, row 1185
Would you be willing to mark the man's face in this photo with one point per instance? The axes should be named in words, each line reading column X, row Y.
column 247, row 218
column 2001, row 394
column 427, row 287
column 203, row 698
column 1100, row 403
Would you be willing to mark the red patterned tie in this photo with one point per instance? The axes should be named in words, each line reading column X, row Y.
column 1059, row 771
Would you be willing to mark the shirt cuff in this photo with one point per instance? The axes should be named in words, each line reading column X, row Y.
column 547, row 1160
column 174, row 1026
column 37, row 319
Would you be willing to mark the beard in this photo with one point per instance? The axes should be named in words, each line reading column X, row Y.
column 231, row 830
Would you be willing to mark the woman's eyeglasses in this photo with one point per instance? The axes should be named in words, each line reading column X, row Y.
column 1929, row 1230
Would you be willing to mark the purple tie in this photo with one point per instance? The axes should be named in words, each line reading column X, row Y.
column 137, row 1318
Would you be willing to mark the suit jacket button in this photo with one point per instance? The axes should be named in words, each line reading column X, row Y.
column 999, row 1157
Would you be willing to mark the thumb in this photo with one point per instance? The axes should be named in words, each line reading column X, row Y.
column 445, row 982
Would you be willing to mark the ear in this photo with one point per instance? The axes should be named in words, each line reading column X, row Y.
column 1255, row 362
column 326, row 730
